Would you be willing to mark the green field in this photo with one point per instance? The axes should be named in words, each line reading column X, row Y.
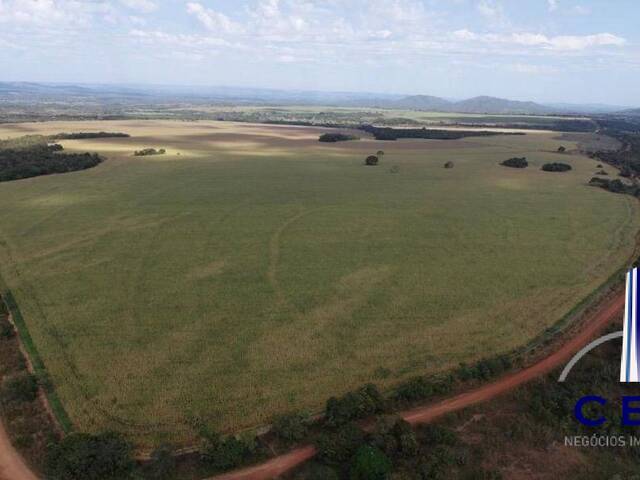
column 252, row 270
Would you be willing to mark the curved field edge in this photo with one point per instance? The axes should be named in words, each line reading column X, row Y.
column 24, row 293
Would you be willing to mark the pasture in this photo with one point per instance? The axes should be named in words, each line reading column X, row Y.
column 252, row 270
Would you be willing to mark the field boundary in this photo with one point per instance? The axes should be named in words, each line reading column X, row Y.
column 35, row 364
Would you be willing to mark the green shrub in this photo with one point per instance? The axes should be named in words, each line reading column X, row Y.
column 223, row 453
column 516, row 162
column 162, row 463
column 369, row 463
column 81, row 456
column 20, row 388
column 394, row 437
column 556, row 167
column 364, row 402
column 291, row 427
column 339, row 446
column 317, row 471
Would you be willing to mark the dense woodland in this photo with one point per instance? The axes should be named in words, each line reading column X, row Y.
column 33, row 156
column 85, row 135
column 389, row 133
column 336, row 137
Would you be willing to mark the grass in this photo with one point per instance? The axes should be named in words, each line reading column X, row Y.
column 252, row 270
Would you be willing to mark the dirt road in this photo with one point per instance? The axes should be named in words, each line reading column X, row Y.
column 12, row 466
column 593, row 323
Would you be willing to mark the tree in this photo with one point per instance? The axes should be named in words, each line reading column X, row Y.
column 339, row 446
column 81, row 456
column 371, row 160
column 291, row 428
column 449, row 164
column 556, row 167
column 223, row 453
column 162, row 463
column 380, row 154
column 369, row 463
column 561, row 149
column 516, row 162
column 21, row 388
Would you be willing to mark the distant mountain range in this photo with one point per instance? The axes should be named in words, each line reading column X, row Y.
column 484, row 104
column 109, row 94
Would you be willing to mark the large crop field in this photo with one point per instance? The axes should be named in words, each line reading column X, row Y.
column 252, row 270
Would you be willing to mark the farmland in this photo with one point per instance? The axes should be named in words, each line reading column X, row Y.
column 252, row 270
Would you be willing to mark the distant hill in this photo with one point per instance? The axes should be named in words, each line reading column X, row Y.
column 484, row 104
column 146, row 94
column 499, row 106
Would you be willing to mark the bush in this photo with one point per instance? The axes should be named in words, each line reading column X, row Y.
column 81, row 456
column 162, row 463
column 516, row 162
column 291, row 428
column 149, row 151
column 223, row 453
column 20, row 388
column 449, row 164
column 6, row 329
column 556, row 167
column 419, row 388
column 562, row 149
column 339, row 446
column 370, row 463
column 394, row 437
column 336, row 137
column 317, row 471
column 371, row 160
column 364, row 402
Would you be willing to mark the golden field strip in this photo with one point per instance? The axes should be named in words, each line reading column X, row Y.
column 252, row 270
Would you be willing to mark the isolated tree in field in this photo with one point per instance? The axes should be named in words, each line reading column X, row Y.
column 371, row 160
column 380, row 154
column 562, row 149
column 449, row 164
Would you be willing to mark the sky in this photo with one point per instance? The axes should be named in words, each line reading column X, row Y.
column 580, row 51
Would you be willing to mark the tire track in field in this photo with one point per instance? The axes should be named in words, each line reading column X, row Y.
column 274, row 260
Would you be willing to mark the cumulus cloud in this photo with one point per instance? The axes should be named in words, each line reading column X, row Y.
column 212, row 20
column 559, row 43
column 552, row 5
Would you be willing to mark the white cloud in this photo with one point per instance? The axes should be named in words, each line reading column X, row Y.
column 493, row 11
column 559, row 43
column 144, row 6
column 552, row 5
column 212, row 20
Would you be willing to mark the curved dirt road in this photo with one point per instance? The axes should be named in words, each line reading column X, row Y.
column 12, row 466
column 593, row 323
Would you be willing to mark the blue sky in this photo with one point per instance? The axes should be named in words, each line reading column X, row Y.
column 544, row 50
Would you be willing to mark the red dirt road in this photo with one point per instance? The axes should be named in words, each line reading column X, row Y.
column 12, row 466
column 592, row 324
